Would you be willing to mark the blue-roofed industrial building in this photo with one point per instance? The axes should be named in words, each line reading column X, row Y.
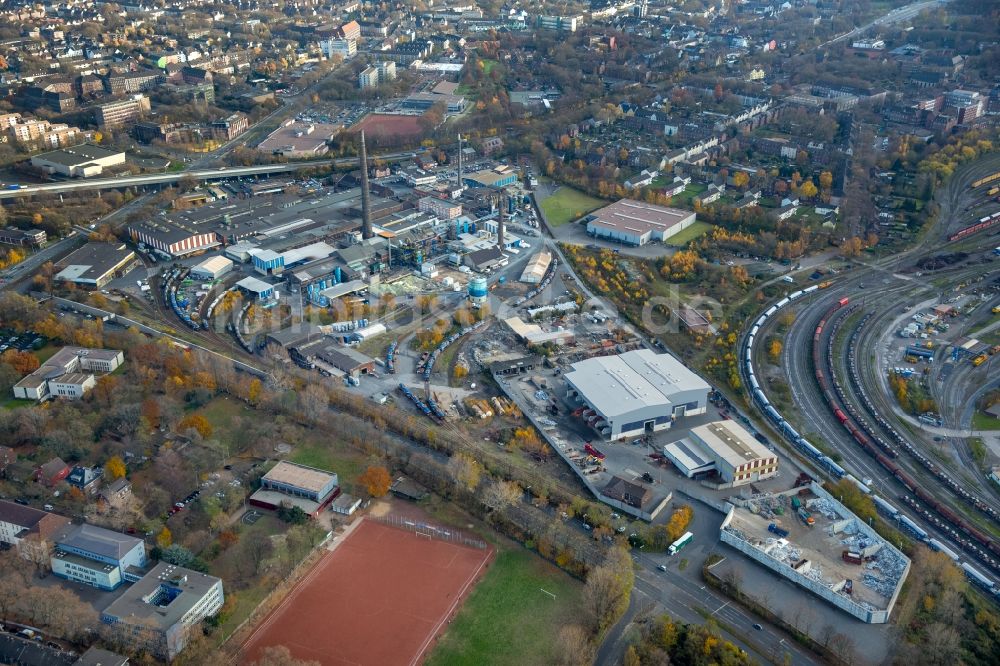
column 98, row 557
column 501, row 176
column 262, row 291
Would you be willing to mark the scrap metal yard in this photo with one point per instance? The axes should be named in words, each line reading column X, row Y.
column 809, row 537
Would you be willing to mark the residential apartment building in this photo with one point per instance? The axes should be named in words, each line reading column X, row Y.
column 133, row 82
column 375, row 75
column 230, row 127
column 563, row 23
column 368, row 78
column 345, row 48
column 123, row 112
column 29, row 530
column 35, row 132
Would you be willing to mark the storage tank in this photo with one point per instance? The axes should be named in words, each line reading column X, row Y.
column 478, row 289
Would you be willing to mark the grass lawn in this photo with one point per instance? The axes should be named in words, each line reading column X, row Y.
column 981, row 421
column 332, row 454
column 10, row 402
column 566, row 205
column 683, row 200
column 221, row 412
column 508, row 619
column 225, row 566
column 488, row 66
column 696, row 230
column 47, row 352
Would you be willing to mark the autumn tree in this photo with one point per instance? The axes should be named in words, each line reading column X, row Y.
column 115, row 468
column 196, row 422
column 679, row 521
column 808, row 189
column 164, row 538
column 825, row 181
column 851, row 247
column 608, row 587
column 23, row 362
column 774, row 350
column 150, row 410
column 376, row 480
column 465, row 471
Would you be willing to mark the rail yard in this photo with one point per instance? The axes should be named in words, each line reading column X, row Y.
column 842, row 351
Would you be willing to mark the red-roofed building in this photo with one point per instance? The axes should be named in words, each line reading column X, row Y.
column 52, row 472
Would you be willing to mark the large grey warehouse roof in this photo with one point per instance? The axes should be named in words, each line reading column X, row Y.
column 616, row 385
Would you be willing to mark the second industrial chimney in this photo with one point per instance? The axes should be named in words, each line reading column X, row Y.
column 366, row 217
column 502, row 222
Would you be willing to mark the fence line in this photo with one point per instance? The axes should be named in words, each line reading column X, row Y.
column 428, row 530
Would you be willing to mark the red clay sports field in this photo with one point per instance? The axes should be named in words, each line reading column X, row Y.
column 381, row 597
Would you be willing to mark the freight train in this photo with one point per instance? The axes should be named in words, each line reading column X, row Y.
column 951, row 519
column 983, row 223
column 866, row 436
column 429, row 364
column 985, row 179
column 780, row 423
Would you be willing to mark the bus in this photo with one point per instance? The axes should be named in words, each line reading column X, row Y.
column 676, row 546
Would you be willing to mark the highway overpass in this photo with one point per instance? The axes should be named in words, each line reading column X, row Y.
column 92, row 184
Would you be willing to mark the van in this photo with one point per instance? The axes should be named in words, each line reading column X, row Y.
column 48, row 507
column 788, row 278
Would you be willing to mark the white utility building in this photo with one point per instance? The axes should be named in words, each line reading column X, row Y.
column 726, row 448
column 212, row 268
column 635, row 393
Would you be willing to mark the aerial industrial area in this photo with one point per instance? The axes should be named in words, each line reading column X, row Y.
column 500, row 333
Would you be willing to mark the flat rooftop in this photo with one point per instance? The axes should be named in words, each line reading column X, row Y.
column 277, row 499
column 616, row 385
column 300, row 476
column 97, row 540
column 93, row 261
column 731, row 442
column 273, row 217
column 637, row 217
column 144, row 603
column 875, row 582
column 77, row 155
column 301, row 137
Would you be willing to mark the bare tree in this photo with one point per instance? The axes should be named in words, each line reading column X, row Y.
column 943, row 645
column 608, row 588
column 574, row 647
column 255, row 548
column 314, row 402
column 465, row 471
column 501, row 494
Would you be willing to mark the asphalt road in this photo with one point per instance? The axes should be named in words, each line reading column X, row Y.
column 895, row 16
column 217, row 173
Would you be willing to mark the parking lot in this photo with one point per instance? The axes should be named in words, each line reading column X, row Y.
column 27, row 341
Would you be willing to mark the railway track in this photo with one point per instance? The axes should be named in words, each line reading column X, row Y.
column 886, row 450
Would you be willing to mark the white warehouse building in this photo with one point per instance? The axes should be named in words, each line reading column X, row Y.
column 635, row 393
column 725, row 448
